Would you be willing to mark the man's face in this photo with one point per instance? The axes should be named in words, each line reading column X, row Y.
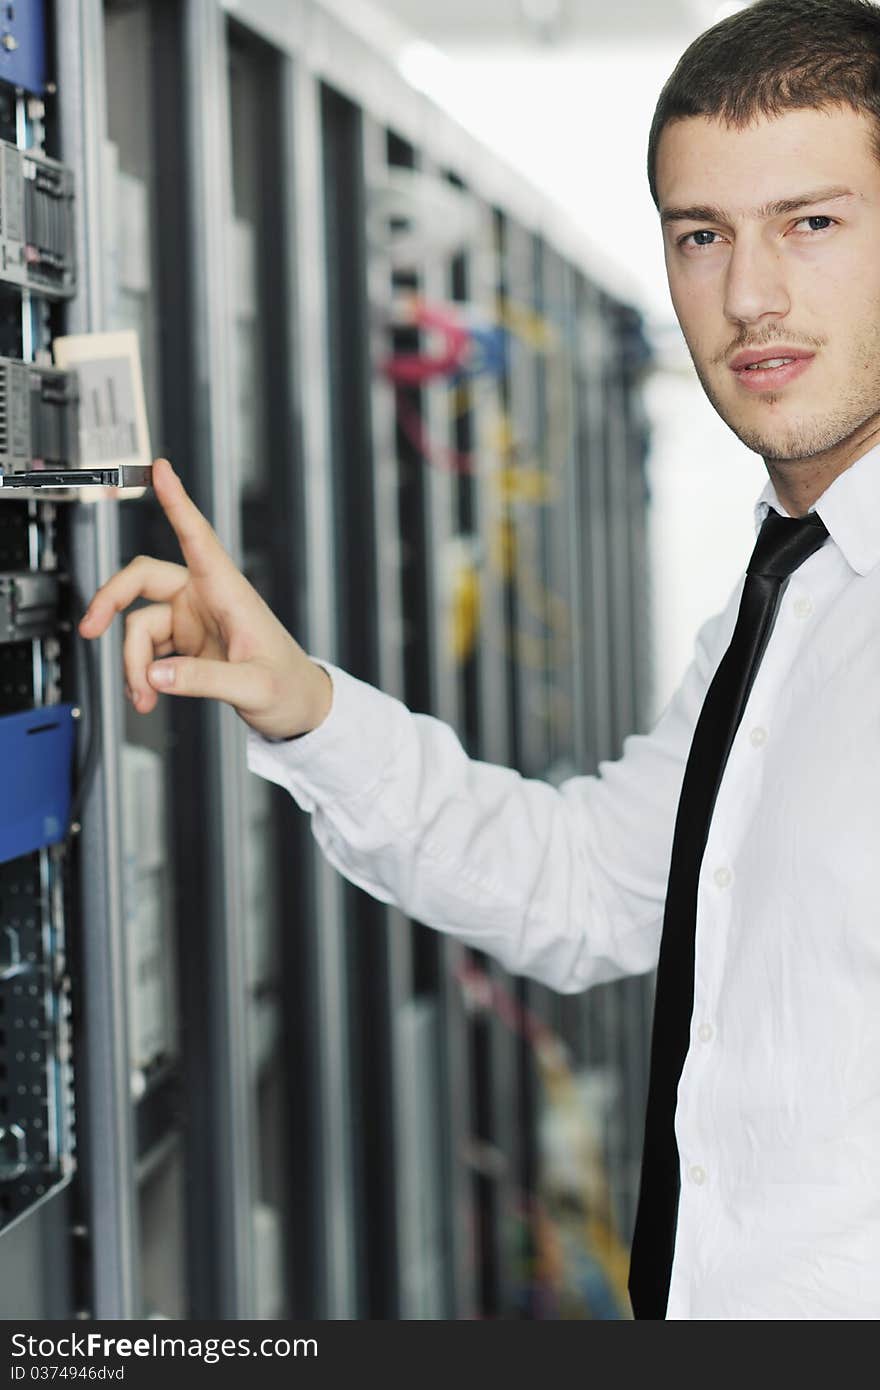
column 772, row 241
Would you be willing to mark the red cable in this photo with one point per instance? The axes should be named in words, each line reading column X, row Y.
column 414, row 369
column 410, row 421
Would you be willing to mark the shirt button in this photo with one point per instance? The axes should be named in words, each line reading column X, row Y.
column 705, row 1032
column 697, row 1174
column 722, row 877
column 758, row 737
column 802, row 607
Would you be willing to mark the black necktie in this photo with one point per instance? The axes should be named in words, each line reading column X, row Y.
column 782, row 545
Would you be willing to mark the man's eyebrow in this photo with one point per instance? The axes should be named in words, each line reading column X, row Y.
column 702, row 213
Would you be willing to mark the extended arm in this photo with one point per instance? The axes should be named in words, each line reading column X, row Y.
column 566, row 885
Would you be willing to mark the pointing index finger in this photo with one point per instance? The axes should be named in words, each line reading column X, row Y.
column 201, row 547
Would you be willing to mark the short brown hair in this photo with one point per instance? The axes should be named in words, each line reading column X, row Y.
column 775, row 56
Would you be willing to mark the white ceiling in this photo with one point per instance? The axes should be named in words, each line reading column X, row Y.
column 464, row 23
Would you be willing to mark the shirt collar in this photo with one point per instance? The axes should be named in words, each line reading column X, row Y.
column 850, row 508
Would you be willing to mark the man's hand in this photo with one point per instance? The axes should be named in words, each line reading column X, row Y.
column 226, row 642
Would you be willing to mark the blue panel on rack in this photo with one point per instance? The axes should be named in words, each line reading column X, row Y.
column 36, row 755
column 23, row 44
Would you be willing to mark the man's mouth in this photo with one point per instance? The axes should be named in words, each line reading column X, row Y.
column 767, row 364
column 769, row 369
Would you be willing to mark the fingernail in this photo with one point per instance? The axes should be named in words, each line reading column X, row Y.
column 128, row 692
column 161, row 675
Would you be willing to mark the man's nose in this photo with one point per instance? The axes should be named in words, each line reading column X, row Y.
column 756, row 285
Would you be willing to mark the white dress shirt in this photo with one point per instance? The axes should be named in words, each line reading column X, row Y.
column 778, row 1120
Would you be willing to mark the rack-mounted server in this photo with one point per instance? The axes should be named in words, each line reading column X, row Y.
column 39, row 431
column 36, row 1101
column 37, row 240
column 39, row 417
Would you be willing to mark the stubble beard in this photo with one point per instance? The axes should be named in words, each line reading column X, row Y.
column 816, row 434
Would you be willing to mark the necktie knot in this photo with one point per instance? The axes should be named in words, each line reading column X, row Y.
column 784, row 543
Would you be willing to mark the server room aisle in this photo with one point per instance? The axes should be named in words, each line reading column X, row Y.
column 231, row 1084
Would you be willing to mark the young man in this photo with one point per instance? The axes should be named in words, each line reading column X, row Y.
column 764, row 161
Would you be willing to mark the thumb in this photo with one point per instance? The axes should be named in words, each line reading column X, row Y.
column 239, row 684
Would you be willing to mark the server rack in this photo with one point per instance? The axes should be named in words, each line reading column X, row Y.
column 327, row 1280
column 363, row 1101
column 435, row 1268
column 501, row 1176
column 449, row 693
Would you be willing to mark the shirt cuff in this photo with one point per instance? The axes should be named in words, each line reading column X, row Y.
column 344, row 756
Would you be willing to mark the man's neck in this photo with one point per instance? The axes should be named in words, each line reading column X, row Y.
column 801, row 482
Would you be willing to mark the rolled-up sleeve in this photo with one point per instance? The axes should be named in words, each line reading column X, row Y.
column 564, row 884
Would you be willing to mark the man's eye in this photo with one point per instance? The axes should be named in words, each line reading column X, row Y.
column 701, row 238
column 818, row 222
